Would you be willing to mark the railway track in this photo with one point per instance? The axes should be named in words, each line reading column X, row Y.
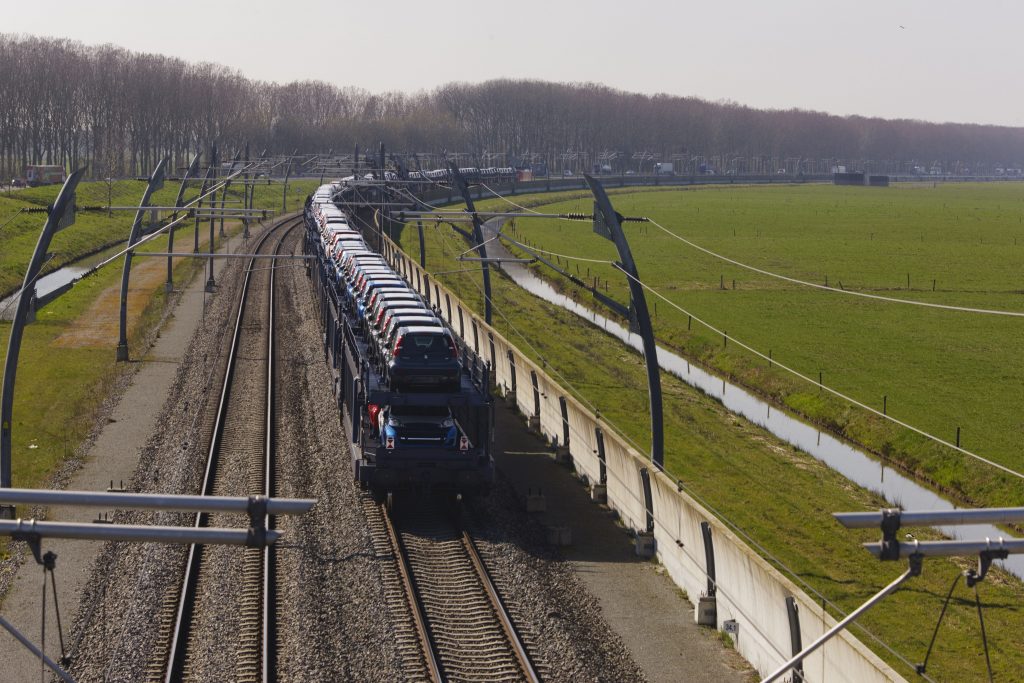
column 456, row 627
column 219, row 624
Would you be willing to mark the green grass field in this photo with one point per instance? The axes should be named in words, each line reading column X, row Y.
column 59, row 389
column 779, row 496
column 938, row 369
column 93, row 230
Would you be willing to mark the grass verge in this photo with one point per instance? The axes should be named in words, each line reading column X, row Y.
column 61, row 387
column 944, row 372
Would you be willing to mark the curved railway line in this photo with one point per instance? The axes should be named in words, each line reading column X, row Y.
column 455, row 617
column 220, row 622
column 334, row 602
column 450, row 622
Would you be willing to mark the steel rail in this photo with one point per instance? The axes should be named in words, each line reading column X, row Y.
column 183, row 618
column 491, row 598
column 499, row 608
column 269, row 663
column 427, row 645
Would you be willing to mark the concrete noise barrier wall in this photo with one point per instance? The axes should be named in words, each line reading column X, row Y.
column 749, row 595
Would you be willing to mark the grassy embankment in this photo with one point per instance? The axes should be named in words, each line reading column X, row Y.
column 779, row 496
column 60, row 387
column 95, row 230
column 938, row 370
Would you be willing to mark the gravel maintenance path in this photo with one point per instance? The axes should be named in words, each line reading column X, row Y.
column 635, row 598
column 147, row 399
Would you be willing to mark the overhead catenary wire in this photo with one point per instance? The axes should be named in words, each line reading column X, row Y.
column 796, row 373
column 834, row 392
column 416, row 199
column 363, row 200
column 718, row 514
column 135, row 245
column 849, row 292
column 151, row 551
column 14, row 297
column 9, row 221
column 173, row 223
column 582, row 259
column 579, row 395
column 575, row 391
column 509, row 201
column 473, row 248
column 569, row 217
column 569, row 257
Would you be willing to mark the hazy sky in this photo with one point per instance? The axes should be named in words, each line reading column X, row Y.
column 938, row 60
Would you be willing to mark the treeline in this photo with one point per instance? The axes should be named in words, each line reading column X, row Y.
column 62, row 102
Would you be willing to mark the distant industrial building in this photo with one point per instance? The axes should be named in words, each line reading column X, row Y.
column 860, row 179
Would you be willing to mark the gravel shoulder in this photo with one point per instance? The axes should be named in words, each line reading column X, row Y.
column 620, row 605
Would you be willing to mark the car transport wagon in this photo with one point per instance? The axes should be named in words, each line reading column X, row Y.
column 413, row 398
column 420, row 452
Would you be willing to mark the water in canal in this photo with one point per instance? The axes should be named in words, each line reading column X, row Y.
column 57, row 279
column 852, row 463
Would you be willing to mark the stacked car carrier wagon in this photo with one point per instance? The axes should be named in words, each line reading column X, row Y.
column 414, row 401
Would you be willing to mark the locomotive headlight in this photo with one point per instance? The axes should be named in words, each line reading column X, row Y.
column 448, row 422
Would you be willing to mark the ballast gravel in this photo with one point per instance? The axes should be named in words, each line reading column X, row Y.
column 332, row 623
column 558, row 619
column 118, row 626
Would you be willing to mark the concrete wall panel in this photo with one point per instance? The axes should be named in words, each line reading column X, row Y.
column 502, row 368
column 679, row 541
column 583, row 442
column 550, row 410
column 625, row 488
column 524, row 390
column 756, row 604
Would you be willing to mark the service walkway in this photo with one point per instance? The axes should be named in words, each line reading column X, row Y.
column 638, row 600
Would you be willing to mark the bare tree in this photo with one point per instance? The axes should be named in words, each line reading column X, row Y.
column 119, row 111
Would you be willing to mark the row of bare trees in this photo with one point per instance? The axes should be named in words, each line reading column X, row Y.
column 65, row 103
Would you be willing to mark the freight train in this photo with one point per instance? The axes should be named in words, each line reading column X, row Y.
column 471, row 175
column 413, row 398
